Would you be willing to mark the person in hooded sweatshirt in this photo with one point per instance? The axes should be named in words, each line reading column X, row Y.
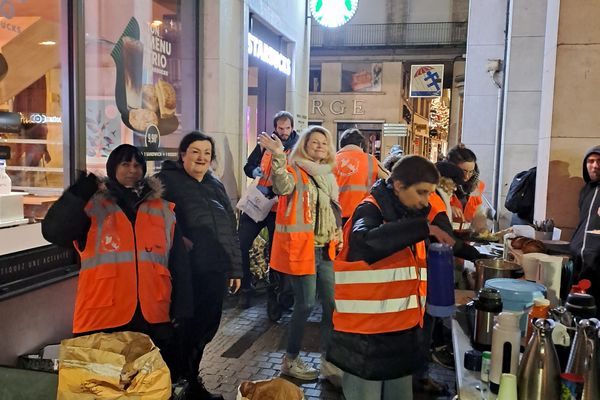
column 208, row 225
column 585, row 246
column 134, row 275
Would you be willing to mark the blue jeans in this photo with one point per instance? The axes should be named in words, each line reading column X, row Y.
column 356, row 388
column 305, row 287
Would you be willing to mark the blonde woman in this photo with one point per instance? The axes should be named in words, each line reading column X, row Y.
column 306, row 232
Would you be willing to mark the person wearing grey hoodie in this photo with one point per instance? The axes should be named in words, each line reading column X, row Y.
column 585, row 246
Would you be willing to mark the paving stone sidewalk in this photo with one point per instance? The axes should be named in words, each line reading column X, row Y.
column 248, row 346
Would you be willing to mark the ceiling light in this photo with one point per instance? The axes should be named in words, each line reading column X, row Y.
column 47, row 43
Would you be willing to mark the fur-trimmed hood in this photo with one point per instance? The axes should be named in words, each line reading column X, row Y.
column 151, row 187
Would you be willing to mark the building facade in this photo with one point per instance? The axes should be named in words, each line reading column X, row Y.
column 361, row 74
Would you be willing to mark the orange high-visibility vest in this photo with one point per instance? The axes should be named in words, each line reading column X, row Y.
column 437, row 206
column 474, row 201
column 386, row 296
column 355, row 172
column 265, row 166
column 293, row 248
column 120, row 267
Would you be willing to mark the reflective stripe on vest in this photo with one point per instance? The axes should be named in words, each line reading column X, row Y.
column 292, row 250
column 386, row 296
column 302, row 207
column 120, row 267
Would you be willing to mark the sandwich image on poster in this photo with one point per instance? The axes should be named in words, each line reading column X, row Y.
column 142, row 104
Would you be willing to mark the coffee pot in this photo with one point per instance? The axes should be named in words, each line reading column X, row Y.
column 539, row 371
column 487, row 305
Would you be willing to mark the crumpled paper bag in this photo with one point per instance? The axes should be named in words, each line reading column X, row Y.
column 120, row 365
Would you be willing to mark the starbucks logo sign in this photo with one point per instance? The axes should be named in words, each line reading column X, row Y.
column 332, row 13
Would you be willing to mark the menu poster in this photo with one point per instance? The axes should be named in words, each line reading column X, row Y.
column 361, row 77
column 145, row 97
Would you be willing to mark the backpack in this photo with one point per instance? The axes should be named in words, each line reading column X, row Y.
column 521, row 194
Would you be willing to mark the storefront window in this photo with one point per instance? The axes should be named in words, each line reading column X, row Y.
column 30, row 84
column 141, row 77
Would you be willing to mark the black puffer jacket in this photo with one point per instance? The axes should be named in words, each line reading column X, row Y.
column 585, row 247
column 375, row 235
column 206, row 217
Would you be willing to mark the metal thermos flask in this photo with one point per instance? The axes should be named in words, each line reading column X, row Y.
column 506, row 343
column 583, row 359
column 488, row 305
column 587, row 329
column 440, row 280
column 591, row 383
column 539, row 371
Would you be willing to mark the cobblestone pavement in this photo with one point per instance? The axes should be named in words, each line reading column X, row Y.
column 248, row 346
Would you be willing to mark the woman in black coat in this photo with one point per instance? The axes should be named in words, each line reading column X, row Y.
column 208, row 223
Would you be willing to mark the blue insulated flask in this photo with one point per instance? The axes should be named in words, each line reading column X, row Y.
column 440, row 280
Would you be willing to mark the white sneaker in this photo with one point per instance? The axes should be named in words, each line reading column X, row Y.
column 298, row 369
column 331, row 372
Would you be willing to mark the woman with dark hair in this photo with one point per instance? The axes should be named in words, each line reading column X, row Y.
column 134, row 275
column 468, row 196
column 381, row 284
column 209, row 228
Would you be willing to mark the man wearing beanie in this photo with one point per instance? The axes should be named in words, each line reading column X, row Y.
column 134, row 273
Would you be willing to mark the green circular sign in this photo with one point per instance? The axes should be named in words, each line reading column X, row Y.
column 333, row 13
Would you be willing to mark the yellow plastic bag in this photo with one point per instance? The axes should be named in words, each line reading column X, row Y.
column 120, row 365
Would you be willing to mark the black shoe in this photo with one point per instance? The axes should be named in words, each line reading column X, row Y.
column 245, row 300
column 199, row 392
column 443, row 356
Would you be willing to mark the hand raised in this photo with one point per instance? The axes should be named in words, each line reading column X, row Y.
column 272, row 143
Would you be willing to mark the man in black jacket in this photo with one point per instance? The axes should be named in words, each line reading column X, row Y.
column 585, row 245
column 259, row 166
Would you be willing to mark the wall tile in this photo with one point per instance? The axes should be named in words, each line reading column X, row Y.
column 486, row 22
column 479, row 119
column 528, row 18
column 526, row 63
column 576, row 100
column 522, row 118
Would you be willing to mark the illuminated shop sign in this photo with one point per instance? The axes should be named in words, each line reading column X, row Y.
column 269, row 55
column 42, row 119
column 332, row 13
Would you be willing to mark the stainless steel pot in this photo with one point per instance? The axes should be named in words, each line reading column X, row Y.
column 495, row 268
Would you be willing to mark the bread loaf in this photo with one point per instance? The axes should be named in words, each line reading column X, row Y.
column 533, row 246
column 517, row 243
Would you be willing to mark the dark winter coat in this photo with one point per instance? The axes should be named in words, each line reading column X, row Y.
column 585, row 247
column 375, row 235
column 206, row 217
column 66, row 222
